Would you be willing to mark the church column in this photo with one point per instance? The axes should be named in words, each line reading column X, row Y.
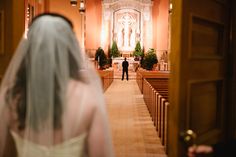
column 83, row 32
column 105, row 32
column 105, row 35
column 148, row 29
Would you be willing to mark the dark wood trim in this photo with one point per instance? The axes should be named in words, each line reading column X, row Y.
column 231, row 92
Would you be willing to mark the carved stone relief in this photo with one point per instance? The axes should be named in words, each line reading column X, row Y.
column 127, row 18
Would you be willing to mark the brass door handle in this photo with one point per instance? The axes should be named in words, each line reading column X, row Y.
column 188, row 137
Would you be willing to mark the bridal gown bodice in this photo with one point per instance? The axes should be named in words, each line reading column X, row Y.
column 74, row 147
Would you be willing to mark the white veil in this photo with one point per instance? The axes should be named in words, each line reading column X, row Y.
column 34, row 89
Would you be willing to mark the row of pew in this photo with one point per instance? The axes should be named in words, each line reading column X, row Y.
column 154, row 87
column 107, row 77
column 142, row 73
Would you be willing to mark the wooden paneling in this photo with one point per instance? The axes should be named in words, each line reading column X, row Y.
column 199, row 49
column 207, row 38
column 12, row 22
column 141, row 74
column 221, row 1
column 205, row 99
column 2, row 30
column 107, row 77
column 232, row 84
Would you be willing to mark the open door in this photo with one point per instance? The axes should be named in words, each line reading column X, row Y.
column 199, row 50
column 12, row 22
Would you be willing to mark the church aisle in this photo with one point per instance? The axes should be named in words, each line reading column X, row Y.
column 133, row 132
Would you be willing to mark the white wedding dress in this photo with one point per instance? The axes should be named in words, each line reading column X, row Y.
column 51, row 93
column 71, row 148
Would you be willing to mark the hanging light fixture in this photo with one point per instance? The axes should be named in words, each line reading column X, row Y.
column 73, row 3
column 170, row 8
column 82, row 6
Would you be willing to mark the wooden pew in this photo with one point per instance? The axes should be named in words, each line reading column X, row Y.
column 159, row 113
column 161, row 87
column 165, row 131
column 107, row 77
column 162, row 120
column 141, row 74
column 155, row 93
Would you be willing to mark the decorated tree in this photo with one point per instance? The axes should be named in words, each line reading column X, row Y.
column 149, row 59
column 100, row 56
column 138, row 52
column 114, row 50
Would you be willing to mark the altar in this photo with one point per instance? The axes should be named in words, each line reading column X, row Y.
column 126, row 54
column 117, row 63
column 127, row 22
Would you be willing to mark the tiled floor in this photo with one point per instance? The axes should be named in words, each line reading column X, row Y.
column 133, row 132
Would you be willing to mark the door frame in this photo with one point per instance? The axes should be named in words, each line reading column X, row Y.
column 175, row 122
column 173, row 113
column 231, row 108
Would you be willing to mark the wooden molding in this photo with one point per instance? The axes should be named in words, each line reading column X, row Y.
column 1, row 78
column 2, row 32
column 205, row 24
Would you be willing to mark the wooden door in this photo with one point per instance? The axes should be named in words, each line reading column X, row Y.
column 199, row 50
column 12, row 25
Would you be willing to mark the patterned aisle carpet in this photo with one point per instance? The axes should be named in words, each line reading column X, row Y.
column 133, row 132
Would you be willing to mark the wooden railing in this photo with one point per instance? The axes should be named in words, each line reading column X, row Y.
column 107, row 77
column 154, row 87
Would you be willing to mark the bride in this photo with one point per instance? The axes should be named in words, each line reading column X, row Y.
column 51, row 100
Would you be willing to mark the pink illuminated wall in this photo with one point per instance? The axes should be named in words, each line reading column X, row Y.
column 63, row 7
column 93, row 24
column 160, row 24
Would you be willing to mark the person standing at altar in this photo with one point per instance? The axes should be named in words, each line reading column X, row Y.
column 125, row 65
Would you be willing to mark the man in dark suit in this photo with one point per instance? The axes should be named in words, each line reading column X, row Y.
column 125, row 65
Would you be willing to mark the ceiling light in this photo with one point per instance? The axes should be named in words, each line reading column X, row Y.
column 73, row 3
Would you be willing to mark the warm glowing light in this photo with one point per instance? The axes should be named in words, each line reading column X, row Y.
column 104, row 35
column 26, row 32
column 171, row 6
column 82, row 7
column 103, row 38
column 81, row 4
column 148, row 39
column 28, row 14
column 73, row 3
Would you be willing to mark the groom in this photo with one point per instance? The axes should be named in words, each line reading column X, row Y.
column 125, row 65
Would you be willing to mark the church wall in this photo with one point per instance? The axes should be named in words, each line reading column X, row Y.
column 38, row 6
column 32, row 9
column 18, row 21
column 64, row 7
column 160, row 25
column 93, row 24
column 11, row 30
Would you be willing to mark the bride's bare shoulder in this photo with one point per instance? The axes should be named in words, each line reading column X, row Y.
column 79, row 89
column 76, row 87
column 74, row 84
